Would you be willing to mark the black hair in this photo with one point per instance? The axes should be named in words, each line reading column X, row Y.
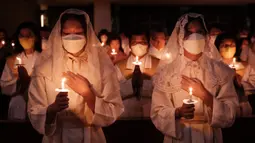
column 34, row 29
column 80, row 18
column 139, row 32
column 5, row 33
column 216, row 25
column 158, row 30
column 115, row 37
column 45, row 28
column 103, row 32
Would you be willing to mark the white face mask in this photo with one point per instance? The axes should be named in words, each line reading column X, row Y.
column 73, row 43
column 44, row 44
column 195, row 44
column 139, row 49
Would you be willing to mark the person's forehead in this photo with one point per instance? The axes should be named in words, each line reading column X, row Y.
column 228, row 41
column 160, row 34
column 25, row 31
column 138, row 37
column 72, row 24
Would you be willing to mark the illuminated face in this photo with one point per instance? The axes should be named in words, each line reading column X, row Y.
column 159, row 40
column 72, row 27
column 115, row 44
column 228, row 48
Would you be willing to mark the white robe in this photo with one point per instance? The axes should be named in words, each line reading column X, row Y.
column 156, row 53
column 206, row 124
column 77, row 123
column 17, row 105
column 133, row 108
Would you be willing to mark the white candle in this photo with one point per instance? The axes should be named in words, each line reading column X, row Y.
column 3, row 42
column 234, row 62
column 62, row 89
column 42, row 20
column 190, row 92
column 114, row 52
column 19, row 60
column 137, row 62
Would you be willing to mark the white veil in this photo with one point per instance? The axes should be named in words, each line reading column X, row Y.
column 174, row 46
column 55, row 52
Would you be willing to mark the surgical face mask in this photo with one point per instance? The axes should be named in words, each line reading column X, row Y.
column 27, row 43
column 73, row 43
column 44, row 44
column 195, row 44
column 227, row 52
column 139, row 49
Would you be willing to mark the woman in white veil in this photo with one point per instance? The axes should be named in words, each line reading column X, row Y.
column 174, row 47
column 93, row 98
column 190, row 71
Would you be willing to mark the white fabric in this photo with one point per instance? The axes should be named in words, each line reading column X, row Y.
column 125, row 46
column 44, row 44
column 195, row 44
column 8, row 80
column 77, row 123
column 168, row 95
column 174, row 46
column 156, row 53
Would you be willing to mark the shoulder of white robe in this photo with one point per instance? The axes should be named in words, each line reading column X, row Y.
column 43, row 69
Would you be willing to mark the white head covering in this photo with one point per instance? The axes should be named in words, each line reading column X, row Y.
column 56, row 52
column 174, row 47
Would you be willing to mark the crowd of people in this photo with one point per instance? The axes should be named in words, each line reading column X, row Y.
column 190, row 83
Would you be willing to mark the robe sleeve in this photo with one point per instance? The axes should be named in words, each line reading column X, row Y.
column 108, row 104
column 37, row 107
column 163, row 114
column 8, row 81
column 225, row 104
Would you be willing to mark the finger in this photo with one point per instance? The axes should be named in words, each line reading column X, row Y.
column 64, row 107
column 188, row 105
column 195, row 80
column 63, row 99
column 188, row 114
column 71, row 74
column 81, row 77
column 189, row 110
column 185, row 80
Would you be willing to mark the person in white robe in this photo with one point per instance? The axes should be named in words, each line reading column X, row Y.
column 28, row 48
column 125, row 43
column 157, row 44
column 211, row 81
column 93, row 98
column 137, row 108
column 227, row 49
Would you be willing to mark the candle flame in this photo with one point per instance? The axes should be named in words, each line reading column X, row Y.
column 137, row 62
column 167, row 55
column 102, row 44
column 3, row 42
column 13, row 44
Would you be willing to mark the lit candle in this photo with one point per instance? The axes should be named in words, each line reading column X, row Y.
column 190, row 100
column 114, row 52
column 3, row 42
column 42, row 20
column 137, row 62
column 102, row 44
column 19, row 60
column 13, row 44
column 190, row 93
column 234, row 62
column 62, row 89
